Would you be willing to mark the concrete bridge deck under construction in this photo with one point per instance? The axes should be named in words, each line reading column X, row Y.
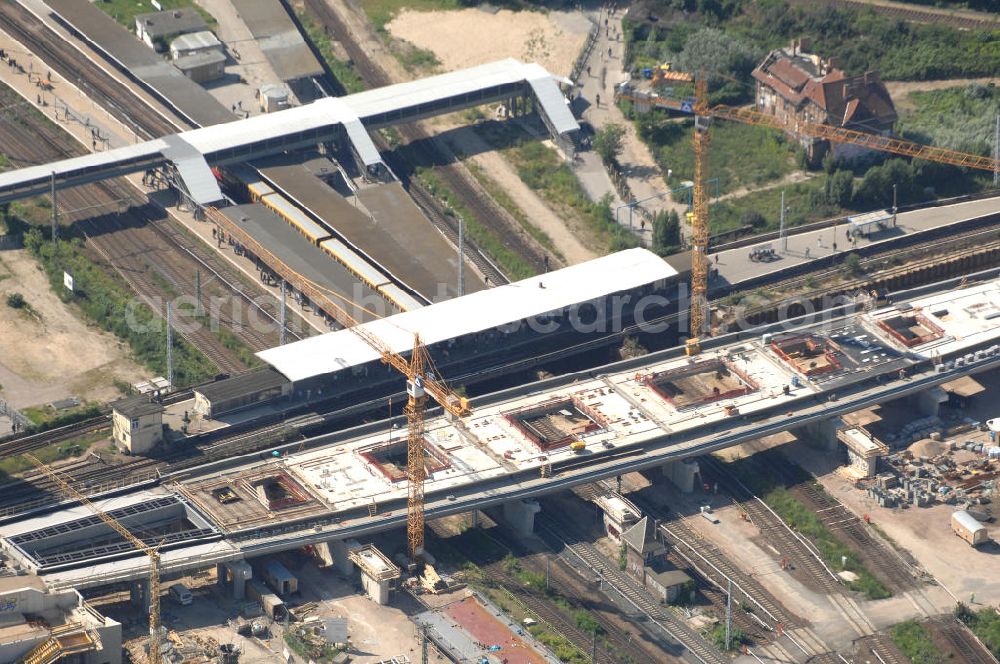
column 639, row 414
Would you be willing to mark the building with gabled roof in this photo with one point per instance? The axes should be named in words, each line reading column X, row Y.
column 641, row 547
column 794, row 85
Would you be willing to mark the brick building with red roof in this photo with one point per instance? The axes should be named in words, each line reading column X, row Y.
column 794, row 85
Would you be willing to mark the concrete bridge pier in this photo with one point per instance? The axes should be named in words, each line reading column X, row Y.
column 232, row 577
column 821, row 434
column 928, row 403
column 520, row 515
column 339, row 550
column 685, row 474
column 475, row 518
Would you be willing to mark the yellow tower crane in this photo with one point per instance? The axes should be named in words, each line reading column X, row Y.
column 419, row 381
column 700, row 220
column 153, row 552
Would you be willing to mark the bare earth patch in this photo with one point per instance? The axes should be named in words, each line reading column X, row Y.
column 458, row 38
column 900, row 90
column 53, row 354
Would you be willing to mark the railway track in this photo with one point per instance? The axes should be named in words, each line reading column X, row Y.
column 92, row 475
column 117, row 238
column 615, row 645
column 888, row 269
column 486, row 211
column 964, row 642
column 636, row 595
column 72, row 66
column 888, row 565
column 130, row 234
column 35, row 441
column 711, row 563
column 881, row 647
column 915, row 14
column 774, row 529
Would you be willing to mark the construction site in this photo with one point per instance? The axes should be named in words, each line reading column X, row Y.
column 440, row 448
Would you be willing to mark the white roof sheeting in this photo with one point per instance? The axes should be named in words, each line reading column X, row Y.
column 552, row 100
column 193, row 169
column 96, row 160
column 479, row 311
column 422, row 97
column 968, row 521
column 196, row 41
column 427, row 91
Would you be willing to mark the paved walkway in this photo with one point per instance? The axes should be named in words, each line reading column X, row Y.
column 735, row 266
column 599, row 78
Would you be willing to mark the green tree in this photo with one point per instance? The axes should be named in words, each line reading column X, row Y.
column 853, row 264
column 840, row 188
column 753, row 218
column 15, row 301
column 666, row 232
column 718, row 54
column 609, row 142
column 875, row 189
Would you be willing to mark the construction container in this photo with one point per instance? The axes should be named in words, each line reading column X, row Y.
column 271, row 604
column 966, row 527
column 280, row 579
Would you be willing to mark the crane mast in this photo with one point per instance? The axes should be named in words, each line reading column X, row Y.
column 699, row 217
column 416, row 469
column 419, row 383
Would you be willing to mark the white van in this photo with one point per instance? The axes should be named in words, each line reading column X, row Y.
column 181, row 594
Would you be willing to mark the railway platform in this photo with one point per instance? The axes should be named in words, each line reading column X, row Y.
column 831, row 245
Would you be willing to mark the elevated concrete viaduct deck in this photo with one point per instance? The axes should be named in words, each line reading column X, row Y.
column 486, row 460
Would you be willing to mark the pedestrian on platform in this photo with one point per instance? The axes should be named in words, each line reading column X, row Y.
column 597, row 99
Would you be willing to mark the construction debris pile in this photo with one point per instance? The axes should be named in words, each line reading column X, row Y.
column 962, row 473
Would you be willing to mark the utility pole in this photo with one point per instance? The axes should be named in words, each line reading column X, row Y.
column 548, row 565
column 283, row 322
column 170, row 351
column 729, row 614
column 55, row 212
column 894, row 204
column 996, row 153
column 197, row 293
column 781, row 223
column 593, row 649
column 461, row 257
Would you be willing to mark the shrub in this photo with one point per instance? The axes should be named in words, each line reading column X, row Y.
column 16, row 301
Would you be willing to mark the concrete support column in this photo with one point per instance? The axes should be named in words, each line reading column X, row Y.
column 221, row 576
column 341, row 563
column 520, row 515
column 138, row 594
column 475, row 518
column 928, row 403
column 685, row 474
column 821, row 435
column 377, row 590
column 240, row 572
